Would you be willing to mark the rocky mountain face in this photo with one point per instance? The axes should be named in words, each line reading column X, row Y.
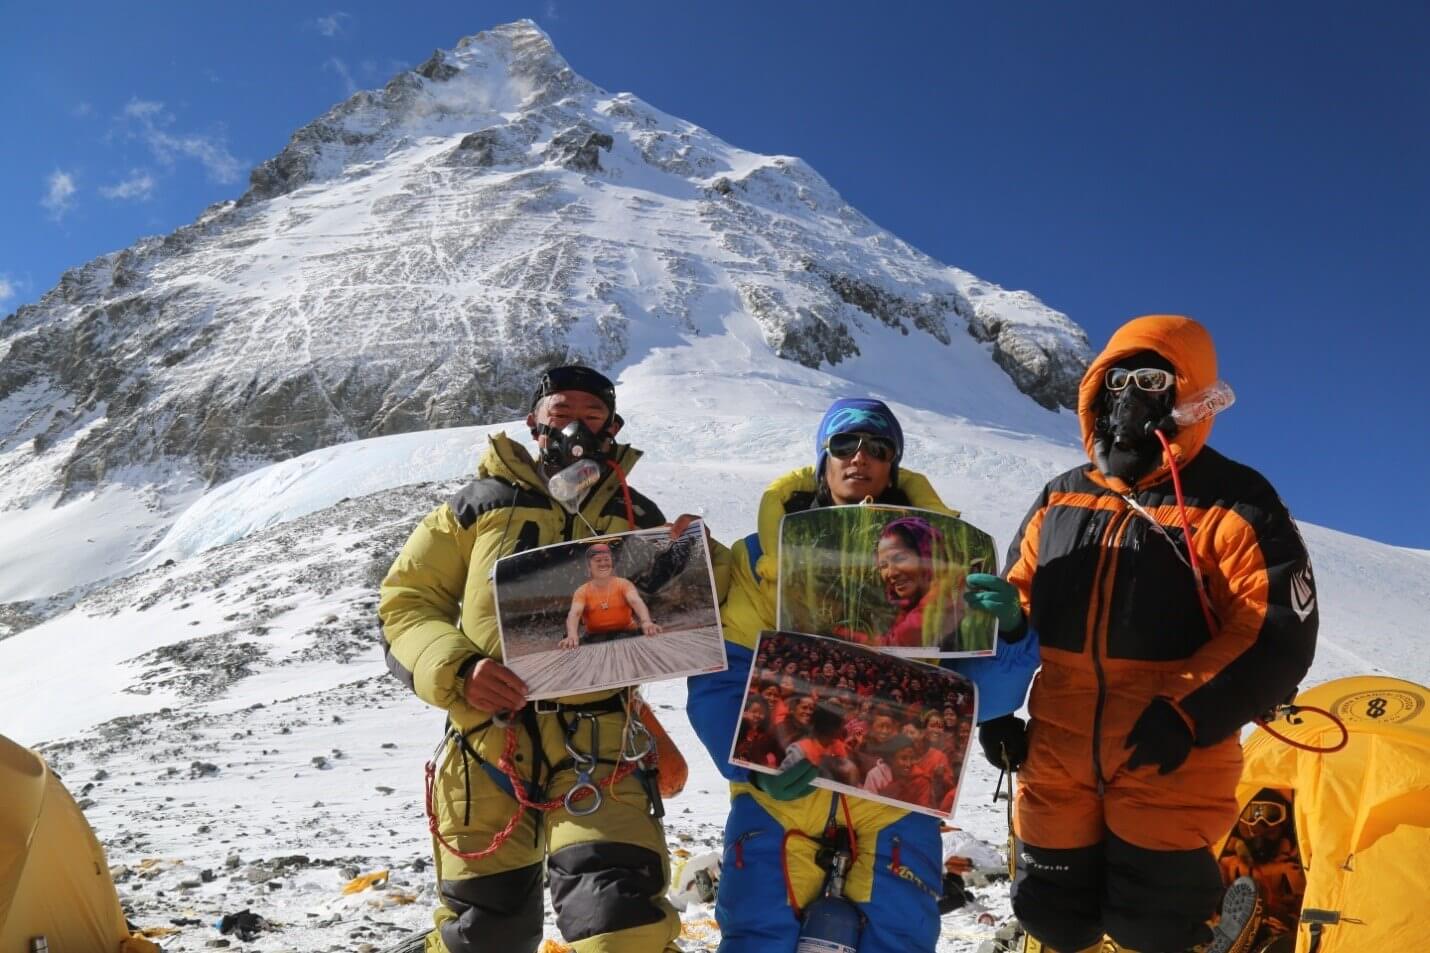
column 413, row 257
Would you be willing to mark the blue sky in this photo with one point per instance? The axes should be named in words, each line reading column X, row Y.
column 1264, row 167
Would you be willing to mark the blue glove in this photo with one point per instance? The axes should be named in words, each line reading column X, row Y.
column 996, row 595
column 792, row 782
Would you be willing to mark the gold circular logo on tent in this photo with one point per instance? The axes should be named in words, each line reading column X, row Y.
column 1379, row 707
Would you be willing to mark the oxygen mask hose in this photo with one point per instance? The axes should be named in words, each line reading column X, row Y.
column 1292, row 712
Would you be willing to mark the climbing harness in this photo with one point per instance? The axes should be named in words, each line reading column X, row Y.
column 637, row 756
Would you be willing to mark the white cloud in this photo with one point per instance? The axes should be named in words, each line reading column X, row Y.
column 82, row 110
column 211, row 151
column 332, row 24
column 145, row 109
column 59, row 193
column 341, row 68
column 551, row 11
column 7, row 290
column 138, row 186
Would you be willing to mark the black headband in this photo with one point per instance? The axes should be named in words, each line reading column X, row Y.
column 575, row 377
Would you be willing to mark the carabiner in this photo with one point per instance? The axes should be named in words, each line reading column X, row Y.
column 583, row 783
column 646, row 742
column 595, row 752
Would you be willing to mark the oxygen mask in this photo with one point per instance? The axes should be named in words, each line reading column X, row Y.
column 573, row 458
column 1136, row 400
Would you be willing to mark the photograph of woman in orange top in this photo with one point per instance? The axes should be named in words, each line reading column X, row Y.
column 606, row 605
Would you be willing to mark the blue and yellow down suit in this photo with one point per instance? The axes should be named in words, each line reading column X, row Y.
column 898, row 874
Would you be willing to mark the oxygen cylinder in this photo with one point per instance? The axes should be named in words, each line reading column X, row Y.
column 569, row 485
column 1203, row 404
column 832, row 923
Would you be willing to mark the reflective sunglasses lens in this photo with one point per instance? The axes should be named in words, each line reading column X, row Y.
column 845, row 445
column 1152, row 379
column 1265, row 812
column 879, row 448
column 1117, row 379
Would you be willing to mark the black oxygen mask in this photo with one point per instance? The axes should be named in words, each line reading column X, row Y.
column 1136, row 400
column 573, row 443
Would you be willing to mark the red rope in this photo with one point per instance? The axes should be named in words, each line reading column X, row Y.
column 1211, row 618
column 796, row 832
column 1187, row 531
column 625, row 492
column 1296, row 709
column 507, row 767
column 784, row 867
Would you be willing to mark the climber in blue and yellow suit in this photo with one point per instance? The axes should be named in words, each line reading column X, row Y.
column 898, row 873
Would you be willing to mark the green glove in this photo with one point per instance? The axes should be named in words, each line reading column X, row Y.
column 996, row 595
column 792, row 782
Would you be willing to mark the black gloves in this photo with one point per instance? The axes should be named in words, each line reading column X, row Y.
column 955, row 894
column 1005, row 737
column 1161, row 737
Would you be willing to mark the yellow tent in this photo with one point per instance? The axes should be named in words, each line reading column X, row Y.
column 1361, row 814
column 54, row 881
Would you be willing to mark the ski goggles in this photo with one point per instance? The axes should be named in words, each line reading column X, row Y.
column 1154, row 380
column 845, row 445
column 1268, row 813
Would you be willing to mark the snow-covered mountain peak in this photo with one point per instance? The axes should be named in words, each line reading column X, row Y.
column 413, row 258
column 498, row 78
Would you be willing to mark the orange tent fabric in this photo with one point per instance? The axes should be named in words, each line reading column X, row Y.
column 54, row 880
column 1362, row 814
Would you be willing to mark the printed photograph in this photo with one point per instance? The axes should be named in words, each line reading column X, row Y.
column 876, row 725
column 609, row 611
column 889, row 577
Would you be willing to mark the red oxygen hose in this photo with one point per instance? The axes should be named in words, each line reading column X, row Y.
column 1289, row 710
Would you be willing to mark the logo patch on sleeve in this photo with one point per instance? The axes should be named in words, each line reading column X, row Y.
column 1303, row 592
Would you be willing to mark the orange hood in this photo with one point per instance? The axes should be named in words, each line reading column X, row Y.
column 1183, row 342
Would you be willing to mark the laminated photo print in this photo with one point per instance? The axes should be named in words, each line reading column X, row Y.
column 890, row 577
column 609, row 611
column 877, row 726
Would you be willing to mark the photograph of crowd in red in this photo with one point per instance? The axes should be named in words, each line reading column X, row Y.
column 876, row 725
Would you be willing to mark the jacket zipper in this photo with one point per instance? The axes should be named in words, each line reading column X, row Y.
column 1104, row 584
column 740, row 848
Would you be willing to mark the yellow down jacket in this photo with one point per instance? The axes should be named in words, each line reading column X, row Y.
column 436, row 604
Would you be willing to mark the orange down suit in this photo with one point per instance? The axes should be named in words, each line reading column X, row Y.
column 1118, row 619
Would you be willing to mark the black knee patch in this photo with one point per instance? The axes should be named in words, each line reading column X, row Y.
column 496, row 912
column 1057, row 894
column 1158, row 900
column 602, row 886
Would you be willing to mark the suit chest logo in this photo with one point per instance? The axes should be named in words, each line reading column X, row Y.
column 1303, row 592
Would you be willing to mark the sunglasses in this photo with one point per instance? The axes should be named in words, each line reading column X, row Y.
column 1151, row 379
column 1268, row 813
column 845, row 445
